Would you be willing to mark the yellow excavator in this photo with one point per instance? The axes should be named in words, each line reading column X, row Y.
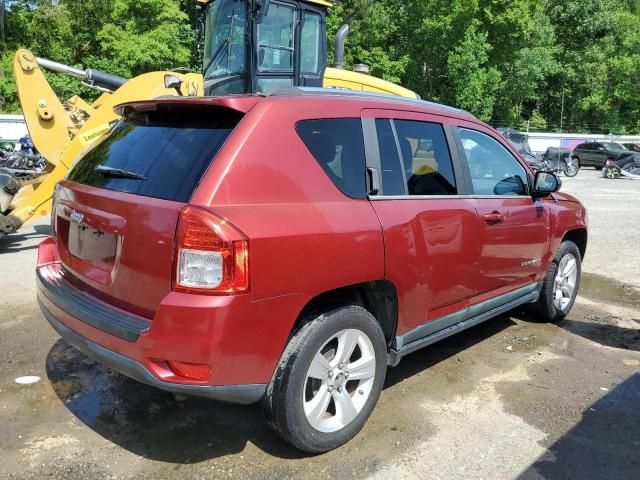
column 250, row 46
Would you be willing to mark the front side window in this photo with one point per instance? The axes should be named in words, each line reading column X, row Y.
column 337, row 145
column 275, row 39
column 494, row 171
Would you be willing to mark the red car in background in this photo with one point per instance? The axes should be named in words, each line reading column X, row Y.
column 288, row 248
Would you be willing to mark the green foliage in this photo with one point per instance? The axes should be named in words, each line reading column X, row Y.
column 122, row 37
column 570, row 64
column 474, row 83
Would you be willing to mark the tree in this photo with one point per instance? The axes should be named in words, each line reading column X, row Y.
column 474, row 83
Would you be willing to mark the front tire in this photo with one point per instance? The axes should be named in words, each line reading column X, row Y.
column 561, row 284
column 328, row 380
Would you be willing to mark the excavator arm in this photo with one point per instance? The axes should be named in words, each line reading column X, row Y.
column 61, row 131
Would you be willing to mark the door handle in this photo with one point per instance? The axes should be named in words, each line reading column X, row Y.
column 493, row 218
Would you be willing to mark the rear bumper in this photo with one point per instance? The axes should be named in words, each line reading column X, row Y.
column 244, row 394
column 239, row 339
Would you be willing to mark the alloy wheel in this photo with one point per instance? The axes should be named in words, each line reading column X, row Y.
column 339, row 380
column 564, row 284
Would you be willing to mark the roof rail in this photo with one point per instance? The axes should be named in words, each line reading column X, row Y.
column 346, row 92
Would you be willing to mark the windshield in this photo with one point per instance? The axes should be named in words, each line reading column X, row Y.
column 225, row 27
column 613, row 146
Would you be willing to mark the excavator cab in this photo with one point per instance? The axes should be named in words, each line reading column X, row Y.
column 253, row 46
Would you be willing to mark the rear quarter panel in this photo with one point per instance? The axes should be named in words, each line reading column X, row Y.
column 306, row 237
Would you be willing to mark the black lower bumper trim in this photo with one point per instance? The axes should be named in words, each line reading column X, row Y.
column 90, row 310
column 244, row 394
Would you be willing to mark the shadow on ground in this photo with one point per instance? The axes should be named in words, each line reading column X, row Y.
column 153, row 424
column 14, row 242
column 592, row 448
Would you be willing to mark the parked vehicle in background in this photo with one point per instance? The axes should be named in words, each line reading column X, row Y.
column 626, row 166
column 633, row 147
column 521, row 142
column 287, row 248
column 559, row 160
column 595, row 154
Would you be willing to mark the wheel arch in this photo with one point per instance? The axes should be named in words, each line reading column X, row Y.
column 579, row 237
column 378, row 297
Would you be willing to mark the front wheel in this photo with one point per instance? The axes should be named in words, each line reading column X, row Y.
column 328, row 380
column 572, row 167
column 561, row 283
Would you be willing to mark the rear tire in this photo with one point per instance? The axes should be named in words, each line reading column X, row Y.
column 572, row 167
column 611, row 172
column 328, row 380
column 561, row 283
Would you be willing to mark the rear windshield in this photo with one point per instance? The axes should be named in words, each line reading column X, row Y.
column 161, row 153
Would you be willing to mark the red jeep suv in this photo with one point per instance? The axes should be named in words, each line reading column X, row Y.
column 288, row 248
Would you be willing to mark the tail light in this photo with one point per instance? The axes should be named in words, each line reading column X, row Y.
column 212, row 256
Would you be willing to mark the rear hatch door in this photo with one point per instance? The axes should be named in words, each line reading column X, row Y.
column 116, row 213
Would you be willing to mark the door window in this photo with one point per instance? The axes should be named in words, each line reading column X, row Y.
column 415, row 158
column 425, row 158
column 275, row 39
column 494, row 171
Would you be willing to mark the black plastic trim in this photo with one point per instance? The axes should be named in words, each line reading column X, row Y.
column 451, row 324
column 244, row 394
column 90, row 310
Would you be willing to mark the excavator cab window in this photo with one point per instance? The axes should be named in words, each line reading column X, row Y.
column 257, row 46
column 225, row 48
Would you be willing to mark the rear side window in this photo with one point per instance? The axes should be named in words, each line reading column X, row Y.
column 338, row 146
column 161, row 153
column 415, row 159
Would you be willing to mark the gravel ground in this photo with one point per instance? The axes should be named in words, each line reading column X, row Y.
column 511, row 398
column 614, row 233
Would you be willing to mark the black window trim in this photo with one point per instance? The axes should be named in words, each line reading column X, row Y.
column 372, row 153
column 463, row 158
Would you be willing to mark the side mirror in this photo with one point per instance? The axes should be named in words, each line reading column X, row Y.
column 545, row 184
column 173, row 81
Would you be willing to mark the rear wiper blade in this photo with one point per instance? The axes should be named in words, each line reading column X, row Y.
column 118, row 173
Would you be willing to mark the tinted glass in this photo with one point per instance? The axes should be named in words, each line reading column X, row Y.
column 393, row 182
column 310, row 44
column 169, row 149
column 425, row 156
column 494, row 171
column 338, row 146
column 613, row 146
column 275, row 39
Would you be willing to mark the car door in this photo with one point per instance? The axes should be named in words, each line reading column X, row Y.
column 514, row 229
column 430, row 231
column 599, row 155
column 585, row 154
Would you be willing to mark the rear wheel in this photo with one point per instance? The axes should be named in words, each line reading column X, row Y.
column 572, row 167
column 328, row 380
column 611, row 172
column 561, row 284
